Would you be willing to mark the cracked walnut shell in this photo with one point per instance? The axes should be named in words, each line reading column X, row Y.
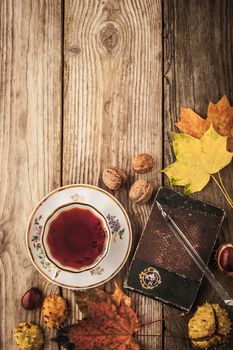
column 54, row 311
column 113, row 178
column 141, row 191
column 143, row 163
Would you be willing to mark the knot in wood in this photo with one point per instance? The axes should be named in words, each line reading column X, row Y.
column 109, row 36
column 74, row 49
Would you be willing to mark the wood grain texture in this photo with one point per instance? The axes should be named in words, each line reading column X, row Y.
column 113, row 105
column 116, row 77
column 198, row 60
column 30, row 117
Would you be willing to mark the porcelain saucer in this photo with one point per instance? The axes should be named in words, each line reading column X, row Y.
column 117, row 219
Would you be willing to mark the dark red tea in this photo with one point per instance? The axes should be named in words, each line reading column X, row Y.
column 76, row 238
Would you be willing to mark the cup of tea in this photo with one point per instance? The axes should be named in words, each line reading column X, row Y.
column 75, row 237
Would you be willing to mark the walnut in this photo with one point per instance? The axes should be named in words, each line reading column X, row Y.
column 141, row 191
column 143, row 163
column 113, row 178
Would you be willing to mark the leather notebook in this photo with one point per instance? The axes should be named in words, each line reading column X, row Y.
column 161, row 268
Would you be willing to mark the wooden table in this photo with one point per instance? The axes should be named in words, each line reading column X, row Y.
column 88, row 84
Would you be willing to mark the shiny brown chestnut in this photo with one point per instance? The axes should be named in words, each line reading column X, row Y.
column 224, row 258
column 32, row 298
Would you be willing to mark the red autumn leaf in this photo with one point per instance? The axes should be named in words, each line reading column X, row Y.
column 109, row 324
column 108, row 327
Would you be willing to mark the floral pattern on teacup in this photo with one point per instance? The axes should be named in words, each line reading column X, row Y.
column 115, row 227
column 37, row 227
column 77, row 198
column 97, row 271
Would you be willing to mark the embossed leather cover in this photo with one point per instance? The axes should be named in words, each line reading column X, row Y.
column 161, row 268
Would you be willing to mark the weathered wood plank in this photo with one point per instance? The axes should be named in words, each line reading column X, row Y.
column 113, row 104
column 197, row 69
column 30, row 117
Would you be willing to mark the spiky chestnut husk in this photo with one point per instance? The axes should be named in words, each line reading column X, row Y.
column 54, row 311
column 224, row 258
column 29, row 336
column 209, row 326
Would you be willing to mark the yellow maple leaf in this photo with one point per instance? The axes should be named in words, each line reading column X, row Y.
column 197, row 159
column 219, row 114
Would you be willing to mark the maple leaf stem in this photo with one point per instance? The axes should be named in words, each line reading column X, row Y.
column 162, row 335
column 160, row 319
column 223, row 190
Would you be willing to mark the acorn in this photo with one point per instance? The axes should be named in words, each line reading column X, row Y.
column 224, row 258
